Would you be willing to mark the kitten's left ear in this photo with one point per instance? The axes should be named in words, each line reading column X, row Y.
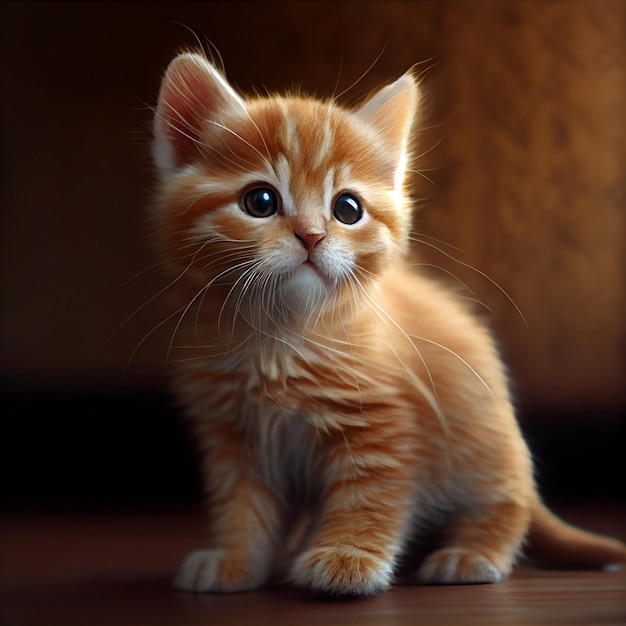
column 391, row 111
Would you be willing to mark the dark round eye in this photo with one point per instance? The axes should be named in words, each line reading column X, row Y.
column 347, row 209
column 260, row 202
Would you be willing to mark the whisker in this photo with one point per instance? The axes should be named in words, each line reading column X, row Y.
column 244, row 276
column 153, row 267
column 386, row 319
column 146, row 337
column 362, row 76
column 240, row 158
column 426, row 178
column 232, row 350
column 184, row 310
column 199, row 297
column 458, row 356
column 474, row 269
column 418, row 239
column 161, row 292
column 421, row 155
column 452, row 275
column 247, row 143
column 256, row 126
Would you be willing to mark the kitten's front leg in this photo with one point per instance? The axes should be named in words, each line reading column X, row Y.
column 245, row 518
column 363, row 520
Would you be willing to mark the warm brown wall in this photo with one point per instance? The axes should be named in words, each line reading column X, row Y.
column 530, row 178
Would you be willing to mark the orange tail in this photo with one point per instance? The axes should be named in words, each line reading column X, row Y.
column 554, row 542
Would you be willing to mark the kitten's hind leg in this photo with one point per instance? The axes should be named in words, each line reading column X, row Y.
column 478, row 547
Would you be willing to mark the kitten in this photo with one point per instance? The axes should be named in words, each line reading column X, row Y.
column 331, row 388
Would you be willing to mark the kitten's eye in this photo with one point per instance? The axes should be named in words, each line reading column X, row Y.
column 347, row 209
column 261, row 202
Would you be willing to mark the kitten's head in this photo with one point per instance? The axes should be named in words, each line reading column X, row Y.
column 288, row 201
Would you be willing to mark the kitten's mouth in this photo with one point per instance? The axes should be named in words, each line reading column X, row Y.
column 305, row 288
column 312, row 266
column 309, row 268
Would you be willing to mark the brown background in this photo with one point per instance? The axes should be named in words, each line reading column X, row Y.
column 523, row 136
column 529, row 102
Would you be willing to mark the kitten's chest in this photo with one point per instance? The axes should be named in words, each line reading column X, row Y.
column 326, row 388
column 321, row 387
column 289, row 457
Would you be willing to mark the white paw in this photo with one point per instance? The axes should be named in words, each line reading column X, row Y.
column 342, row 570
column 454, row 566
column 223, row 571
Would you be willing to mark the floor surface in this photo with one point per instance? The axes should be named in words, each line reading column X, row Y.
column 114, row 568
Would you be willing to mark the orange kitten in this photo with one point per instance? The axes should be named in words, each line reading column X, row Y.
column 329, row 385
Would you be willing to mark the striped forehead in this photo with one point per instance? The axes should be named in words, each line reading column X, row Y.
column 307, row 133
column 305, row 165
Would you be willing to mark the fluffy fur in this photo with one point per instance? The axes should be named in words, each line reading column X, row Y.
column 338, row 397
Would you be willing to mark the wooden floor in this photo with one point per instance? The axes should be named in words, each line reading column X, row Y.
column 114, row 569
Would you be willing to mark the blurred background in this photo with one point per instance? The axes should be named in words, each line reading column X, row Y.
column 522, row 138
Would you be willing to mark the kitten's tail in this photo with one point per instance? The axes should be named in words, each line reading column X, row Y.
column 554, row 542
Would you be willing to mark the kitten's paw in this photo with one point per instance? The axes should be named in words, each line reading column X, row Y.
column 342, row 570
column 225, row 571
column 456, row 566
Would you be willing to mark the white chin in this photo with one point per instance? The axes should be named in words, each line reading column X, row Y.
column 304, row 289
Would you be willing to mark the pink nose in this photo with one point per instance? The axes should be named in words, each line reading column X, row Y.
column 309, row 240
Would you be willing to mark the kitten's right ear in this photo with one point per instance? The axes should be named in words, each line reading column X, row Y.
column 193, row 92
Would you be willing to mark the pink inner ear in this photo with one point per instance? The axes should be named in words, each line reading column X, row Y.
column 184, row 103
column 391, row 110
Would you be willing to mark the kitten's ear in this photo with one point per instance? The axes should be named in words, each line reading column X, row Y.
column 192, row 93
column 391, row 111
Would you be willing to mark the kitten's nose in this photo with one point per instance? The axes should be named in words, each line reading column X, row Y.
column 309, row 240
